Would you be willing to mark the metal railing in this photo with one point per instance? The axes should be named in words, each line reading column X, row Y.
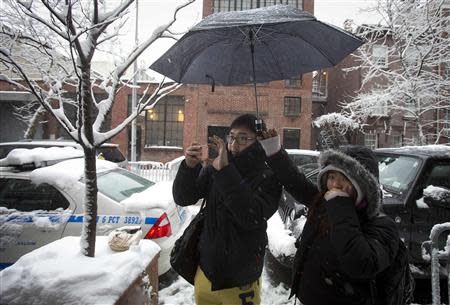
column 436, row 256
column 152, row 170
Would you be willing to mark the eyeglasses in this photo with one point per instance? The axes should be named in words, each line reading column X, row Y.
column 240, row 139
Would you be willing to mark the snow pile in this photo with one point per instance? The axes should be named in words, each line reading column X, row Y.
column 435, row 192
column 158, row 195
column 441, row 150
column 281, row 240
column 38, row 156
column 64, row 276
column 65, row 174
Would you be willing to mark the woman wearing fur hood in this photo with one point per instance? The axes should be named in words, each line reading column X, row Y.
column 344, row 243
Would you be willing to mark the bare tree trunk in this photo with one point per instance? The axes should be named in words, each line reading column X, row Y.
column 422, row 139
column 90, row 171
column 90, row 203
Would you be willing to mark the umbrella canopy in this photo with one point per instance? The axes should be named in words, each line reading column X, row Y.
column 259, row 45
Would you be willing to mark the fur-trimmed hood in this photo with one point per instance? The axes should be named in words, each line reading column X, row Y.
column 360, row 166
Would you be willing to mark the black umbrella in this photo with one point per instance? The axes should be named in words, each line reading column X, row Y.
column 252, row 46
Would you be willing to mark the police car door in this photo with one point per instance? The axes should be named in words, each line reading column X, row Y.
column 30, row 216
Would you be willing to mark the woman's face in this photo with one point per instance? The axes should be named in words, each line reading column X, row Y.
column 337, row 181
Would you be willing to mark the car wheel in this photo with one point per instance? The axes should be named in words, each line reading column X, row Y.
column 166, row 279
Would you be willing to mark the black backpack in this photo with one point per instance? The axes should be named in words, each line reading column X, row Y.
column 395, row 285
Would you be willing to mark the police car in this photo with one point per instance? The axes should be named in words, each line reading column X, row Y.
column 42, row 194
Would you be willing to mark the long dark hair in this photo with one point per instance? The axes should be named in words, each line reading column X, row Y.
column 318, row 214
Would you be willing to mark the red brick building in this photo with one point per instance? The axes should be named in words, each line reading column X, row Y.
column 194, row 111
column 284, row 105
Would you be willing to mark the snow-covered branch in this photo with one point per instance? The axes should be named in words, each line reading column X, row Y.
column 401, row 64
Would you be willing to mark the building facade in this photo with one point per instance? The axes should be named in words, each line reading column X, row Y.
column 385, row 127
column 194, row 112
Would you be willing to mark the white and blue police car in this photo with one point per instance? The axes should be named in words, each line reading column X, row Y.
column 42, row 194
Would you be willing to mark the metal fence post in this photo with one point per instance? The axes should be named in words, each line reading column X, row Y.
column 436, row 256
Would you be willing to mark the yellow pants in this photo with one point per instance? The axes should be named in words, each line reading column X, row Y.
column 247, row 295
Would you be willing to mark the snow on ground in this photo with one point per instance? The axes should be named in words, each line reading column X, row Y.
column 182, row 293
column 59, row 274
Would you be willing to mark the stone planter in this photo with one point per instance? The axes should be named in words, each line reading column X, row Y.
column 144, row 289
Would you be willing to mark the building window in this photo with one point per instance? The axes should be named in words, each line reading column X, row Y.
column 380, row 109
column 164, row 123
column 292, row 106
column 239, row 5
column 370, row 140
column 410, row 109
column 380, row 55
column 446, row 120
column 293, row 82
column 446, row 68
column 319, row 83
column 396, row 140
column 291, row 138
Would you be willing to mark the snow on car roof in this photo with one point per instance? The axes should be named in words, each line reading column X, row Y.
column 428, row 150
column 302, row 152
column 48, row 143
column 66, row 173
column 39, row 156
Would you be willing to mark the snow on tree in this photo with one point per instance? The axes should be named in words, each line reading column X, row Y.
column 333, row 129
column 405, row 67
column 47, row 49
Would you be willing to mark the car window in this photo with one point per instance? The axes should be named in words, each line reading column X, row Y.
column 440, row 176
column 112, row 154
column 25, row 196
column 397, row 172
column 4, row 150
column 120, row 184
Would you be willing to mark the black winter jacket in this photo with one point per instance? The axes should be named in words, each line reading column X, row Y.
column 239, row 200
column 338, row 266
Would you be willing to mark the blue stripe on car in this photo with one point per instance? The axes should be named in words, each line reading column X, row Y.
column 72, row 218
column 4, row 265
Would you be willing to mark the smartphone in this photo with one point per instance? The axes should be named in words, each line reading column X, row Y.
column 212, row 152
column 205, row 152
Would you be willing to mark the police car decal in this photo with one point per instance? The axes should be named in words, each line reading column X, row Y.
column 77, row 218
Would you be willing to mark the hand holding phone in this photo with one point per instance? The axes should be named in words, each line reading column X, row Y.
column 205, row 152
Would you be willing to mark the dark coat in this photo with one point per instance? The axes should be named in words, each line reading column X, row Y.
column 337, row 266
column 239, row 200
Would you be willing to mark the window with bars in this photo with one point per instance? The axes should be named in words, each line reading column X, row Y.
column 239, row 5
column 292, row 106
column 293, row 82
column 380, row 55
column 291, row 138
column 370, row 140
column 164, row 123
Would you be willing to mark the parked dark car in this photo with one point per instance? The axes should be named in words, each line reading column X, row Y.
column 416, row 194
